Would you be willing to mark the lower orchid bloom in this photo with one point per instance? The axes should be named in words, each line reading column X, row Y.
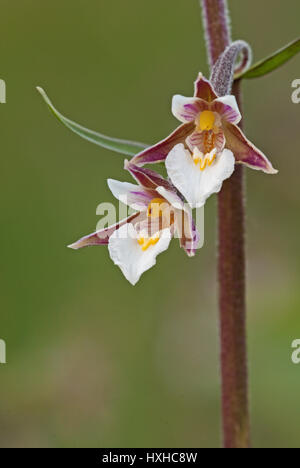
column 209, row 123
column 135, row 242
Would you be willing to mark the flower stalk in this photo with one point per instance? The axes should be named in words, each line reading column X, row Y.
column 231, row 263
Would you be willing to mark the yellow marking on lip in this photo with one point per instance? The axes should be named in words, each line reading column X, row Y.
column 205, row 161
column 151, row 241
column 141, row 240
column 145, row 243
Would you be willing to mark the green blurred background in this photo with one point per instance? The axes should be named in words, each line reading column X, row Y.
column 93, row 361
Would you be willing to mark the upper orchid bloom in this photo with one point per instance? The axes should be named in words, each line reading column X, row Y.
column 208, row 117
column 208, row 122
column 135, row 243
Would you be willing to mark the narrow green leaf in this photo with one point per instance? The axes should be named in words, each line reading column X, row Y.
column 129, row 148
column 272, row 62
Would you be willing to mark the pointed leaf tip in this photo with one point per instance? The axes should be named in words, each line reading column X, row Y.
column 127, row 147
column 274, row 61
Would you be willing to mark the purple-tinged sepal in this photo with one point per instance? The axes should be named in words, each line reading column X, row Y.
column 159, row 152
column 102, row 236
column 204, row 89
column 146, row 177
column 244, row 151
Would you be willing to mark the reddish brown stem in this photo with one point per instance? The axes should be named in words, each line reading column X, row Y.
column 231, row 228
column 216, row 26
column 231, row 210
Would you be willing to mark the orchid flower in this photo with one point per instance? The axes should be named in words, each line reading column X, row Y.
column 135, row 242
column 209, row 123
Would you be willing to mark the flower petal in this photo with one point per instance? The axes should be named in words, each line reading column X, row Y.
column 196, row 185
column 187, row 232
column 198, row 140
column 160, row 151
column 244, row 151
column 147, row 178
column 172, row 197
column 127, row 254
column 102, row 237
column 227, row 108
column 186, row 109
column 204, row 89
column 132, row 195
column 185, row 228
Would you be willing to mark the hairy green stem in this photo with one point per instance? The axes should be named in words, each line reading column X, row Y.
column 231, row 264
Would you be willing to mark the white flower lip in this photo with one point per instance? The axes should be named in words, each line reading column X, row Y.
column 128, row 255
column 196, row 185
